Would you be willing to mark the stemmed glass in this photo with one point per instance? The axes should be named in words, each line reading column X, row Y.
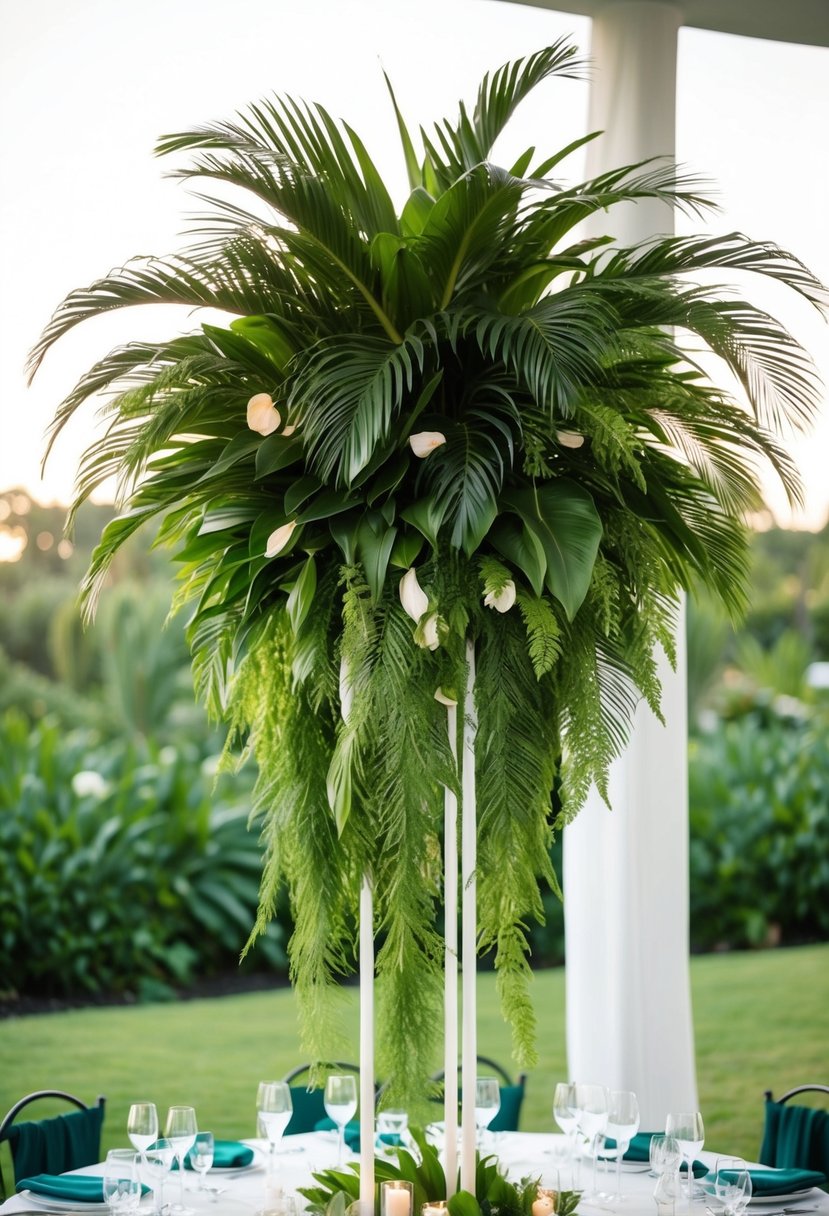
column 158, row 1158
column 688, row 1131
column 181, row 1130
column 274, row 1107
column 487, row 1103
column 563, row 1104
column 142, row 1125
column 622, row 1126
column 122, row 1190
column 590, row 1109
column 665, row 1155
column 340, row 1105
column 201, row 1156
column 732, row 1185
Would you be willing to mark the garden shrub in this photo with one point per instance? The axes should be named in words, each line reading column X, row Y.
column 120, row 866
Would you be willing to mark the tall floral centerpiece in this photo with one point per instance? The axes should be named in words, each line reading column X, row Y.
column 429, row 443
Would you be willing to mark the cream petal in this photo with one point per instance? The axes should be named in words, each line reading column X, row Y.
column 570, row 439
column 414, row 599
column 441, row 696
column 279, row 539
column 429, row 632
column 263, row 417
column 425, row 442
column 502, row 600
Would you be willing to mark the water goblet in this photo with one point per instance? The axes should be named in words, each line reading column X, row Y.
column 274, row 1107
column 181, row 1129
column 201, row 1156
column 622, row 1126
column 590, row 1107
column 158, row 1159
column 142, row 1125
column 391, row 1130
column 487, row 1103
column 664, row 1154
column 689, row 1132
column 563, row 1100
column 340, row 1106
column 732, row 1185
column 122, row 1189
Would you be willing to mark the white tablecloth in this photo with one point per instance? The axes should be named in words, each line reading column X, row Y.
column 521, row 1154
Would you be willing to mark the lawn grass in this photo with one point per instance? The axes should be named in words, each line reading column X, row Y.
column 761, row 1021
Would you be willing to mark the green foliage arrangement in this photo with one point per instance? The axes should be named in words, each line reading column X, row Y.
column 759, row 832
column 119, row 868
column 494, row 1194
column 446, row 423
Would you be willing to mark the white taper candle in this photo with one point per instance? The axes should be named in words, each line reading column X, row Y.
column 450, row 993
column 469, row 1053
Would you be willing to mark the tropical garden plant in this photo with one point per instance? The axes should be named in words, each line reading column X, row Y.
column 450, row 422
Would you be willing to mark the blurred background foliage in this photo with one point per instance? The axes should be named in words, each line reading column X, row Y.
column 125, row 864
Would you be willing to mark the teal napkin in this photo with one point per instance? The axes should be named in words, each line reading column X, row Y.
column 227, row 1154
column 352, row 1134
column 784, row 1182
column 82, row 1188
column 640, row 1148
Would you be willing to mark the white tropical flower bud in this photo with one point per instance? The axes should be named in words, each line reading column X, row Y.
column 425, row 442
column 501, row 600
column 279, row 539
column 414, row 599
column 89, row 784
column 429, row 632
column 570, row 439
column 262, row 416
column 441, row 696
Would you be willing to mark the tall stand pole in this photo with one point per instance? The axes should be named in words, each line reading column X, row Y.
column 366, row 968
column 469, row 1056
column 450, row 968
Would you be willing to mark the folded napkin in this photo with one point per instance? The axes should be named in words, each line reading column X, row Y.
column 783, row 1182
column 81, row 1188
column 227, row 1154
column 640, row 1149
column 352, row 1134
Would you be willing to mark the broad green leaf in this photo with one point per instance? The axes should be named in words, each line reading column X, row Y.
column 268, row 336
column 464, row 1204
column 302, row 594
column 374, row 545
column 416, row 212
column 427, row 517
column 520, row 546
column 299, row 492
column 405, row 549
column 240, row 446
column 343, row 528
column 328, row 502
column 564, row 519
column 277, row 452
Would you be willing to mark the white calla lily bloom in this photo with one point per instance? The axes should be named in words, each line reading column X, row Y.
column 425, row 442
column 441, row 696
column 501, row 600
column 570, row 439
column 263, row 417
column 429, row 632
column 89, row 784
column 279, row 539
column 414, row 599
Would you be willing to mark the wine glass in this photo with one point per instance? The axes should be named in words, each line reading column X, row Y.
column 688, row 1131
column 391, row 1130
column 181, row 1129
column 487, row 1103
column 158, row 1158
column 122, row 1190
column 340, row 1105
column 590, row 1108
column 665, row 1155
column 622, row 1126
column 201, row 1156
column 274, row 1107
column 142, row 1125
column 563, row 1100
column 732, row 1185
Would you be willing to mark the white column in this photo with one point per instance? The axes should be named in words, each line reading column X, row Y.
column 629, row 1020
column 450, row 976
column 469, row 931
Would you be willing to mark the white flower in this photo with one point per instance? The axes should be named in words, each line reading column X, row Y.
column 262, row 416
column 89, row 784
column 501, row 600
column 570, row 439
column 425, row 442
column 441, row 696
column 279, row 539
column 414, row 599
column 429, row 632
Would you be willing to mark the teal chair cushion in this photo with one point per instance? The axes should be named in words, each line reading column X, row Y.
column 309, row 1109
column 510, row 1110
column 50, row 1146
column 795, row 1137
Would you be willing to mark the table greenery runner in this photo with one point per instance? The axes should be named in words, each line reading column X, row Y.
column 456, row 421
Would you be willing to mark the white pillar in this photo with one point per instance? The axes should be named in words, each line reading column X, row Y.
column 450, row 979
column 629, row 1020
column 469, row 930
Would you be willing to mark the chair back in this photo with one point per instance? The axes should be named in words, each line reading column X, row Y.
column 512, row 1095
column 796, row 1136
column 53, row 1145
column 309, row 1104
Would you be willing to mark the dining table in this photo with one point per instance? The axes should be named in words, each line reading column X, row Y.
column 263, row 1186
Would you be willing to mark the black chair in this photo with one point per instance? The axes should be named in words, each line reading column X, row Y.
column 512, row 1095
column 56, row 1144
column 796, row 1136
column 309, row 1104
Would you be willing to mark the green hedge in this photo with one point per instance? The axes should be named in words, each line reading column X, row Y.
column 120, row 866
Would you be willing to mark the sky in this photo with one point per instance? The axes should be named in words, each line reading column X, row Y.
column 87, row 86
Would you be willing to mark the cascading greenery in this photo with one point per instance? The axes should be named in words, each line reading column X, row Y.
column 456, row 421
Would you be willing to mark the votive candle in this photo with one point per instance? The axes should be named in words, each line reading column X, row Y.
column 396, row 1198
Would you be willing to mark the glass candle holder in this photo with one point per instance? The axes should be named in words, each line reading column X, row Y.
column 436, row 1207
column 396, row 1198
